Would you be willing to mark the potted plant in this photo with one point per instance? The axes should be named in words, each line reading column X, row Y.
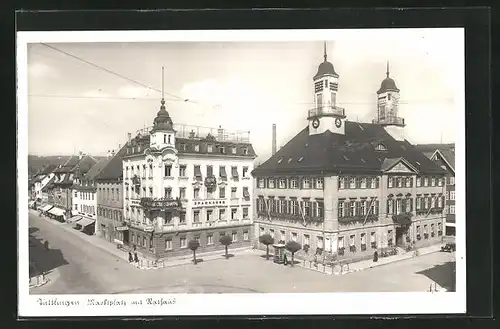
column 267, row 240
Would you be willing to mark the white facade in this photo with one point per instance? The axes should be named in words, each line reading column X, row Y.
column 45, row 179
column 84, row 202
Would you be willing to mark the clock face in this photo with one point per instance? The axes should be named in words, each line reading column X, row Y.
column 338, row 122
column 315, row 123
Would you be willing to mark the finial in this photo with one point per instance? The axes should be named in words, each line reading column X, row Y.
column 325, row 56
column 387, row 73
column 162, row 87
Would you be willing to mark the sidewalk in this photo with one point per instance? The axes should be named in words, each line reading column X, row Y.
column 365, row 264
column 144, row 263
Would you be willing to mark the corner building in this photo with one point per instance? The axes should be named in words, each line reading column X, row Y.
column 183, row 183
column 345, row 188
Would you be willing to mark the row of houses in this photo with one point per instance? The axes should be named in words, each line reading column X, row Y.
column 340, row 187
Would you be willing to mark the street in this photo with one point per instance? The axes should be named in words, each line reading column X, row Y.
column 79, row 267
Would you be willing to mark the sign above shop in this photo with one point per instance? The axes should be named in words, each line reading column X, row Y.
column 160, row 203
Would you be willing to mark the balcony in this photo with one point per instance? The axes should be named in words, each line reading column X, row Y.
column 390, row 121
column 160, row 204
column 326, row 111
column 203, row 133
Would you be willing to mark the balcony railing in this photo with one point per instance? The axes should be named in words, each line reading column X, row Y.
column 326, row 110
column 198, row 132
column 390, row 121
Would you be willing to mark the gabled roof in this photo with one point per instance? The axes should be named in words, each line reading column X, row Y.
column 354, row 152
column 447, row 156
column 113, row 169
column 447, row 152
column 84, row 164
column 390, row 163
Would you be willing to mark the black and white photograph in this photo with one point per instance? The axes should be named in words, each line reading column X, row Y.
column 241, row 172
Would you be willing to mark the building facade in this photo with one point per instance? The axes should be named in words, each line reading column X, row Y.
column 345, row 188
column 183, row 183
column 444, row 156
column 40, row 180
column 110, row 224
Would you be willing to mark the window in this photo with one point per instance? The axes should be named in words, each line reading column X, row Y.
column 282, row 235
column 363, row 207
column 182, row 217
column 319, row 183
column 168, row 170
column 210, row 171
column 319, row 100
column 433, row 181
column 426, row 181
column 452, row 180
column 261, row 183
column 196, row 216
column 182, row 171
column 182, row 146
column 168, row 244
column 282, row 183
column 306, row 183
column 293, row 183
column 270, row 183
column 306, row 239
column 245, row 213
column 319, row 208
column 341, row 209
column 222, row 150
column 352, row 182
column 352, row 209
column 182, row 193
column 210, row 239
column 408, row 181
column 373, row 240
column 246, row 194
column 150, row 191
column 399, row 181
column 196, row 147
column 246, row 236
column 209, row 215
column 197, row 238
column 408, row 207
column 390, row 206
column 319, row 242
column 363, row 182
column 210, row 192
column 144, row 241
column 390, row 182
column 245, row 172
column 234, row 237
column 233, row 192
column 168, row 192
column 234, row 213
column 196, row 192
column 233, row 150
column 341, row 242
column 440, row 182
column 183, row 242
column 440, row 201
column 452, row 195
column 294, row 236
column 419, row 181
column 452, row 209
column 209, row 148
column 76, row 193
column 222, row 214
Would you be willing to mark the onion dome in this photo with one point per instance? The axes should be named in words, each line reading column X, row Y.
column 325, row 68
column 387, row 84
column 162, row 120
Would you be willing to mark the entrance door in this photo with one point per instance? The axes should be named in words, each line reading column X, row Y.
column 125, row 237
column 400, row 236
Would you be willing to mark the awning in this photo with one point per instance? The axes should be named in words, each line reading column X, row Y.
column 74, row 219
column 47, row 207
column 56, row 211
column 222, row 172
column 450, row 224
column 234, row 171
column 85, row 222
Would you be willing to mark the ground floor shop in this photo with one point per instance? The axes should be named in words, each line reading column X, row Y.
column 354, row 242
column 175, row 243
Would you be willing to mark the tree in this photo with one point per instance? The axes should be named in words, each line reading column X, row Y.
column 267, row 240
column 226, row 241
column 292, row 247
column 193, row 245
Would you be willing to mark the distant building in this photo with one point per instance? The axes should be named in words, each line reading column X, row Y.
column 183, row 183
column 60, row 189
column 347, row 189
column 40, row 180
column 110, row 224
column 444, row 156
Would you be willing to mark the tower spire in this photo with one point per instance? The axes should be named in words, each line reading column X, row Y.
column 162, row 87
column 324, row 48
column 387, row 73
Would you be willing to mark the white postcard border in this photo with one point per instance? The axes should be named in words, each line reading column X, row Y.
column 234, row 304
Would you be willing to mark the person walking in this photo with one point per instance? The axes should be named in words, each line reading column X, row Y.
column 130, row 258
column 136, row 258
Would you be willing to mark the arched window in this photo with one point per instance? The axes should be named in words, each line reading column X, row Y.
column 164, row 138
column 169, row 138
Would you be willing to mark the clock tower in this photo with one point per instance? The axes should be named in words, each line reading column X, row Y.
column 326, row 115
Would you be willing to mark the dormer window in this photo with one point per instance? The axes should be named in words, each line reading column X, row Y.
column 280, row 160
column 233, row 150
column 381, row 147
column 300, row 159
column 222, row 150
column 289, row 160
column 182, row 147
column 209, row 148
column 245, row 150
column 197, row 148
column 345, row 158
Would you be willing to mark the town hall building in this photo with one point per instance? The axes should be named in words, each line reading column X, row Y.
column 348, row 188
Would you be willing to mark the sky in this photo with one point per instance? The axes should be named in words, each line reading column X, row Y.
column 88, row 96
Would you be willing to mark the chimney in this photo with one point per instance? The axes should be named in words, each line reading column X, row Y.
column 129, row 138
column 112, row 152
column 80, row 155
column 274, row 139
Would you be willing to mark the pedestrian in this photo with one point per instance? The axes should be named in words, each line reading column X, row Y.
column 285, row 260
column 136, row 258
column 375, row 256
column 130, row 258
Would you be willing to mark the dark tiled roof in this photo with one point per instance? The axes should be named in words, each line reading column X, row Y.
column 446, row 150
column 84, row 164
column 187, row 146
column 353, row 152
column 96, row 169
column 49, row 184
column 47, row 170
column 113, row 170
column 325, row 68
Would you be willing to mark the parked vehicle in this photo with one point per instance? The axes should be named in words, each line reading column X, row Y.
column 449, row 247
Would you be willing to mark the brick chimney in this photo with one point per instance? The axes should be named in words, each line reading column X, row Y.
column 274, row 139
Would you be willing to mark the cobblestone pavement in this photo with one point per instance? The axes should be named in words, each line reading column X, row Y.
column 88, row 269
